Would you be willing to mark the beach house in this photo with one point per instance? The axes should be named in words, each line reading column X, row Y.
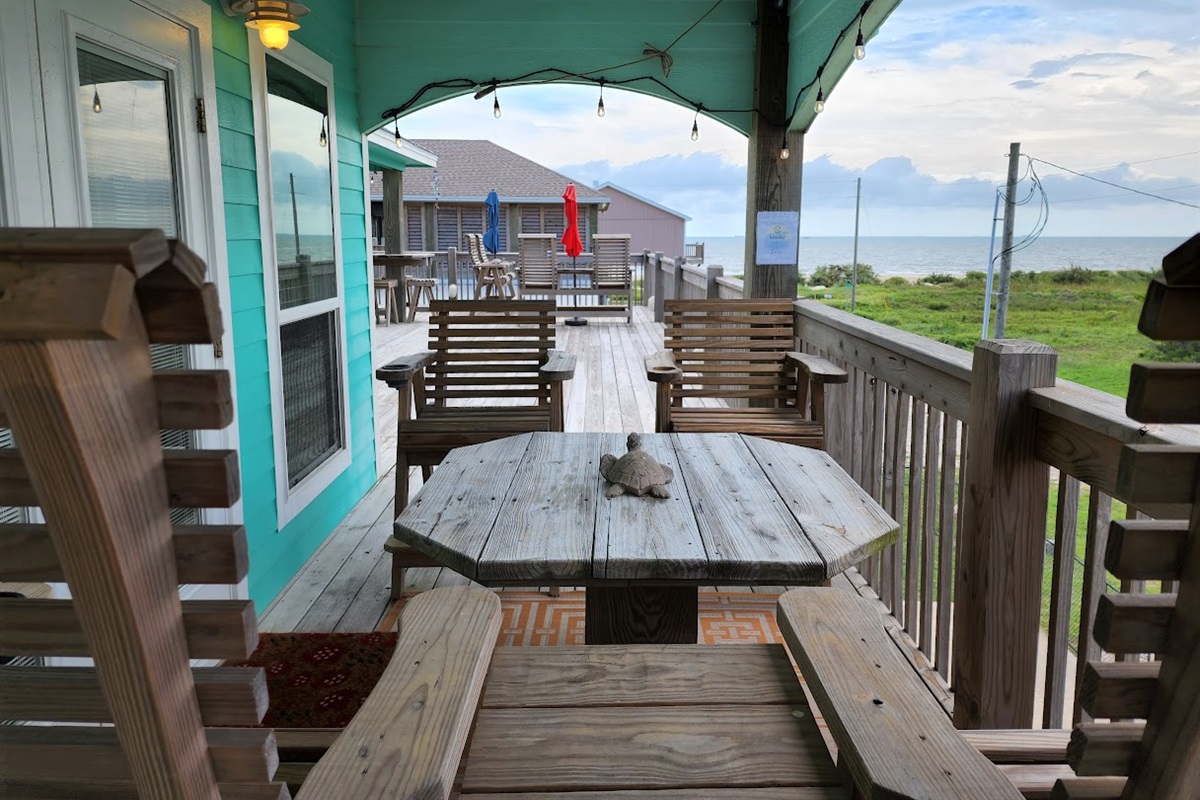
column 651, row 225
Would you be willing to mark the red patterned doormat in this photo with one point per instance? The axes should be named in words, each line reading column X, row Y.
column 318, row 680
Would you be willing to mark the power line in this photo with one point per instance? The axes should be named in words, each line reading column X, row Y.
column 1143, row 161
column 1117, row 194
column 1116, row 185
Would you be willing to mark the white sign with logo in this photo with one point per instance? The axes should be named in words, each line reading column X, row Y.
column 778, row 237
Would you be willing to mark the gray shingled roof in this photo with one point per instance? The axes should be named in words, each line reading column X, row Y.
column 469, row 168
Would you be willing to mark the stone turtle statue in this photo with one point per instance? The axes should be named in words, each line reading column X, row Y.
column 635, row 472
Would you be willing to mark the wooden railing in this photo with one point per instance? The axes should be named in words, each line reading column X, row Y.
column 676, row 278
column 964, row 450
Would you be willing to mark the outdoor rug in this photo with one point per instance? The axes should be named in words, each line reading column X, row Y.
column 318, row 680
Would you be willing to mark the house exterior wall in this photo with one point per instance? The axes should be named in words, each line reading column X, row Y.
column 651, row 228
column 276, row 555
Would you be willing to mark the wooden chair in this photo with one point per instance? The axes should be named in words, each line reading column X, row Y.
column 77, row 389
column 739, row 351
column 493, row 277
column 537, row 265
column 385, row 301
column 612, row 276
column 491, row 371
column 897, row 741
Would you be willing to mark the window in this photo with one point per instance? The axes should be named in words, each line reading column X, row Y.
column 297, row 143
column 549, row 219
column 414, row 221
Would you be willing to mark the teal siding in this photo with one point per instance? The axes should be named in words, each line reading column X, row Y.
column 276, row 555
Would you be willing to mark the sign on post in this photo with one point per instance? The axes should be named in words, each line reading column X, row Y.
column 777, row 237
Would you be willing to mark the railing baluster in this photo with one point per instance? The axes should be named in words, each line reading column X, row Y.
column 896, row 509
column 891, row 488
column 1094, row 584
column 946, row 531
column 929, row 492
column 1061, row 581
column 912, row 552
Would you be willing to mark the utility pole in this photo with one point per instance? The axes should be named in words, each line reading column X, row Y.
column 854, row 267
column 1006, row 243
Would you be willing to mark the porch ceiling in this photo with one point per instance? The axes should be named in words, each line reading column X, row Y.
column 406, row 49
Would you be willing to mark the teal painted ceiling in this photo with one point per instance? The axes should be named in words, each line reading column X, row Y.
column 406, row 48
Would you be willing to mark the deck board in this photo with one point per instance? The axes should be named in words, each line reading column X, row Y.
column 344, row 586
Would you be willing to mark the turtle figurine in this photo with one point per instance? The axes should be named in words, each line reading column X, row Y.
column 635, row 472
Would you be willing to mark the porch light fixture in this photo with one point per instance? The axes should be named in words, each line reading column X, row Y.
column 600, row 105
column 273, row 19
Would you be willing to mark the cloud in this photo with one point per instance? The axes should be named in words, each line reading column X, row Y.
column 1025, row 84
column 1045, row 69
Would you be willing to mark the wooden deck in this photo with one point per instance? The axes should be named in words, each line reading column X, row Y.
column 344, row 586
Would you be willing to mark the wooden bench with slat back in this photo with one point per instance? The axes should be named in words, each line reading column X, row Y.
column 731, row 366
column 612, row 277
column 491, row 371
column 1152, row 749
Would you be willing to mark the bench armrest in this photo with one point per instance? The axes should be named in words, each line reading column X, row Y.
column 818, row 369
column 559, row 366
column 892, row 735
column 660, row 368
column 398, row 372
column 408, row 737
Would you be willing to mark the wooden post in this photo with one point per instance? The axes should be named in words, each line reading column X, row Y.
column 772, row 183
column 80, row 400
column 393, row 211
column 998, row 591
column 712, row 291
column 647, row 279
column 660, row 287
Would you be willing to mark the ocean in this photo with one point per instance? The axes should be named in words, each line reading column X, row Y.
column 923, row 255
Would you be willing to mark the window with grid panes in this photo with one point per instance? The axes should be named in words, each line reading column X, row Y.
column 454, row 222
column 414, row 223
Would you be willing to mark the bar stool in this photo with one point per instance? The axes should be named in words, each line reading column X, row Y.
column 385, row 300
column 415, row 288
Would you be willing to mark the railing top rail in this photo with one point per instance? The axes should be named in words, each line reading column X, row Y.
column 1104, row 413
column 933, row 372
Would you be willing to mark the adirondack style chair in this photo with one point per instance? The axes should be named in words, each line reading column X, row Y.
column 897, row 741
column 492, row 274
column 612, row 276
column 76, row 387
column 537, row 263
column 740, row 352
column 491, row 371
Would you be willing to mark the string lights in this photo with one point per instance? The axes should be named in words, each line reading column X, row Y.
column 550, row 75
column 784, row 153
column 399, row 141
column 96, row 107
column 324, row 138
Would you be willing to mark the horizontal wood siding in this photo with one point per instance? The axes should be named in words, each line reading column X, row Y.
column 652, row 228
column 275, row 556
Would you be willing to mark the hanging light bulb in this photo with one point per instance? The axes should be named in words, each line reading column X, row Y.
column 324, row 140
column 496, row 106
column 784, row 153
column 396, row 121
column 96, row 101
column 860, row 47
column 819, row 106
column 600, row 105
column 696, row 126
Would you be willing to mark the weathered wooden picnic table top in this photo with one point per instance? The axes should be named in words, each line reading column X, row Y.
column 532, row 509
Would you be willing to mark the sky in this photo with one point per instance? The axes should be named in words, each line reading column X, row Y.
column 1107, row 88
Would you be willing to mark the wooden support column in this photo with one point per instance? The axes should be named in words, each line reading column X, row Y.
column 393, row 211
column 998, row 592
column 772, row 183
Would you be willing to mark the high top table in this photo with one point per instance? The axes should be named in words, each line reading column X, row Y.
column 531, row 509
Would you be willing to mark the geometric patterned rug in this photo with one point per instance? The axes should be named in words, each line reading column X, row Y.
column 534, row 619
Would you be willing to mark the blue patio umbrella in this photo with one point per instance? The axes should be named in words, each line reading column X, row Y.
column 491, row 239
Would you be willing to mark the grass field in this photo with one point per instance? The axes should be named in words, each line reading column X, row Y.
column 1090, row 318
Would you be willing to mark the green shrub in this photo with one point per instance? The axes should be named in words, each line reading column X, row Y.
column 837, row 274
column 1073, row 274
column 896, row 280
column 800, row 280
column 938, row 277
column 1174, row 351
column 975, row 275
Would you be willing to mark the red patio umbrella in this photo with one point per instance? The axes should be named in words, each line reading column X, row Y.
column 570, row 239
